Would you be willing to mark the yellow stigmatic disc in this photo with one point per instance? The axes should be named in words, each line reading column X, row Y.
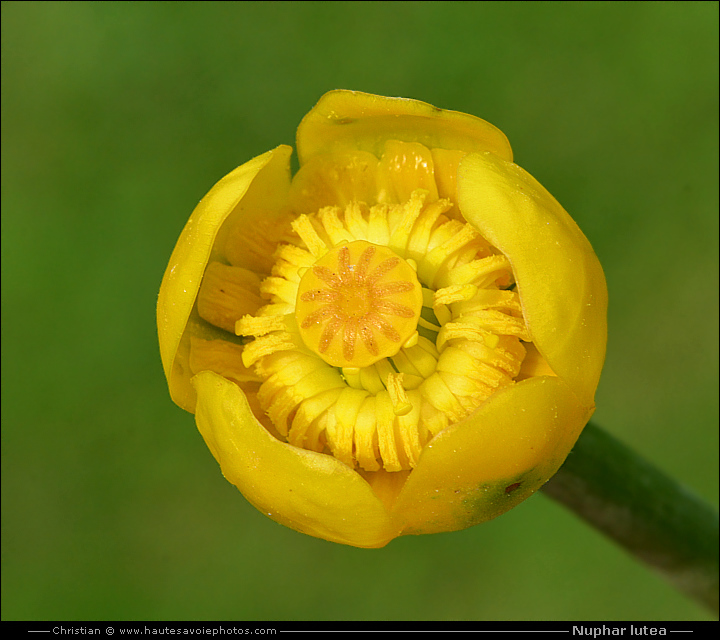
column 359, row 303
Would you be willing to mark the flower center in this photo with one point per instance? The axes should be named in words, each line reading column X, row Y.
column 358, row 304
column 384, row 325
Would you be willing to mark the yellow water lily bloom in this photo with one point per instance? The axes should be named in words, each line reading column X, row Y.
column 403, row 338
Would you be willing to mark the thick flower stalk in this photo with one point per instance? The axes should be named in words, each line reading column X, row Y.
column 405, row 337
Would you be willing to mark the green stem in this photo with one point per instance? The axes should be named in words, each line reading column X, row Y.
column 645, row 511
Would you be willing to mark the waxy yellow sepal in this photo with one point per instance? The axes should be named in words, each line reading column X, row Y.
column 268, row 175
column 561, row 283
column 307, row 491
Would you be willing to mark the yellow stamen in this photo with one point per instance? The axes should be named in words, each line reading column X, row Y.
column 398, row 397
column 290, row 261
column 423, row 361
column 411, row 341
column 458, row 238
column 386, row 432
column 366, row 438
column 220, row 356
column 455, row 293
column 385, row 370
column 259, row 325
column 355, row 222
column 280, row 288
column 408, row 214
column 265, row 345
column 304, row 228
column 378, row 230
column 436, row 392
column 497, row 323
column 433, row 419
column 308, row 412
column 442, row 313
column 404, row 365
column 335, row 229
column 370, row 379
column 226, row 294
column 428, row 325
column 352, row 376
column 480, row 272
column 418, row 242
column 345, row 415
column 412, row 436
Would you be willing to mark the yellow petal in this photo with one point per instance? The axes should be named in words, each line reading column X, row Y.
column 334, row 180
column 403, row 169
column 560, row 281
column 269, row 172
column 310, row 492
column 446, row 162
column 352, row 120
column 483, row 466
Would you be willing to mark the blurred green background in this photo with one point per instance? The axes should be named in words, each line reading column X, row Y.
column 118, row 117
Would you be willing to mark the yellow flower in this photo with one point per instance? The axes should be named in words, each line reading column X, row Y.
column 404, row 338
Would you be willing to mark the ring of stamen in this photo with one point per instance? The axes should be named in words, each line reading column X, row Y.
column 336, row 293
column 358, row 304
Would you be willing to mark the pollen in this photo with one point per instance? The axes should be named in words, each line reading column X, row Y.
column 358, row 304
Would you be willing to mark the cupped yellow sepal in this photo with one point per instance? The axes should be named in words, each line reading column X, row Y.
column 353, row 120
column 482, row 466
column 304, row 490
column 561, row 283
column 193, row 251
